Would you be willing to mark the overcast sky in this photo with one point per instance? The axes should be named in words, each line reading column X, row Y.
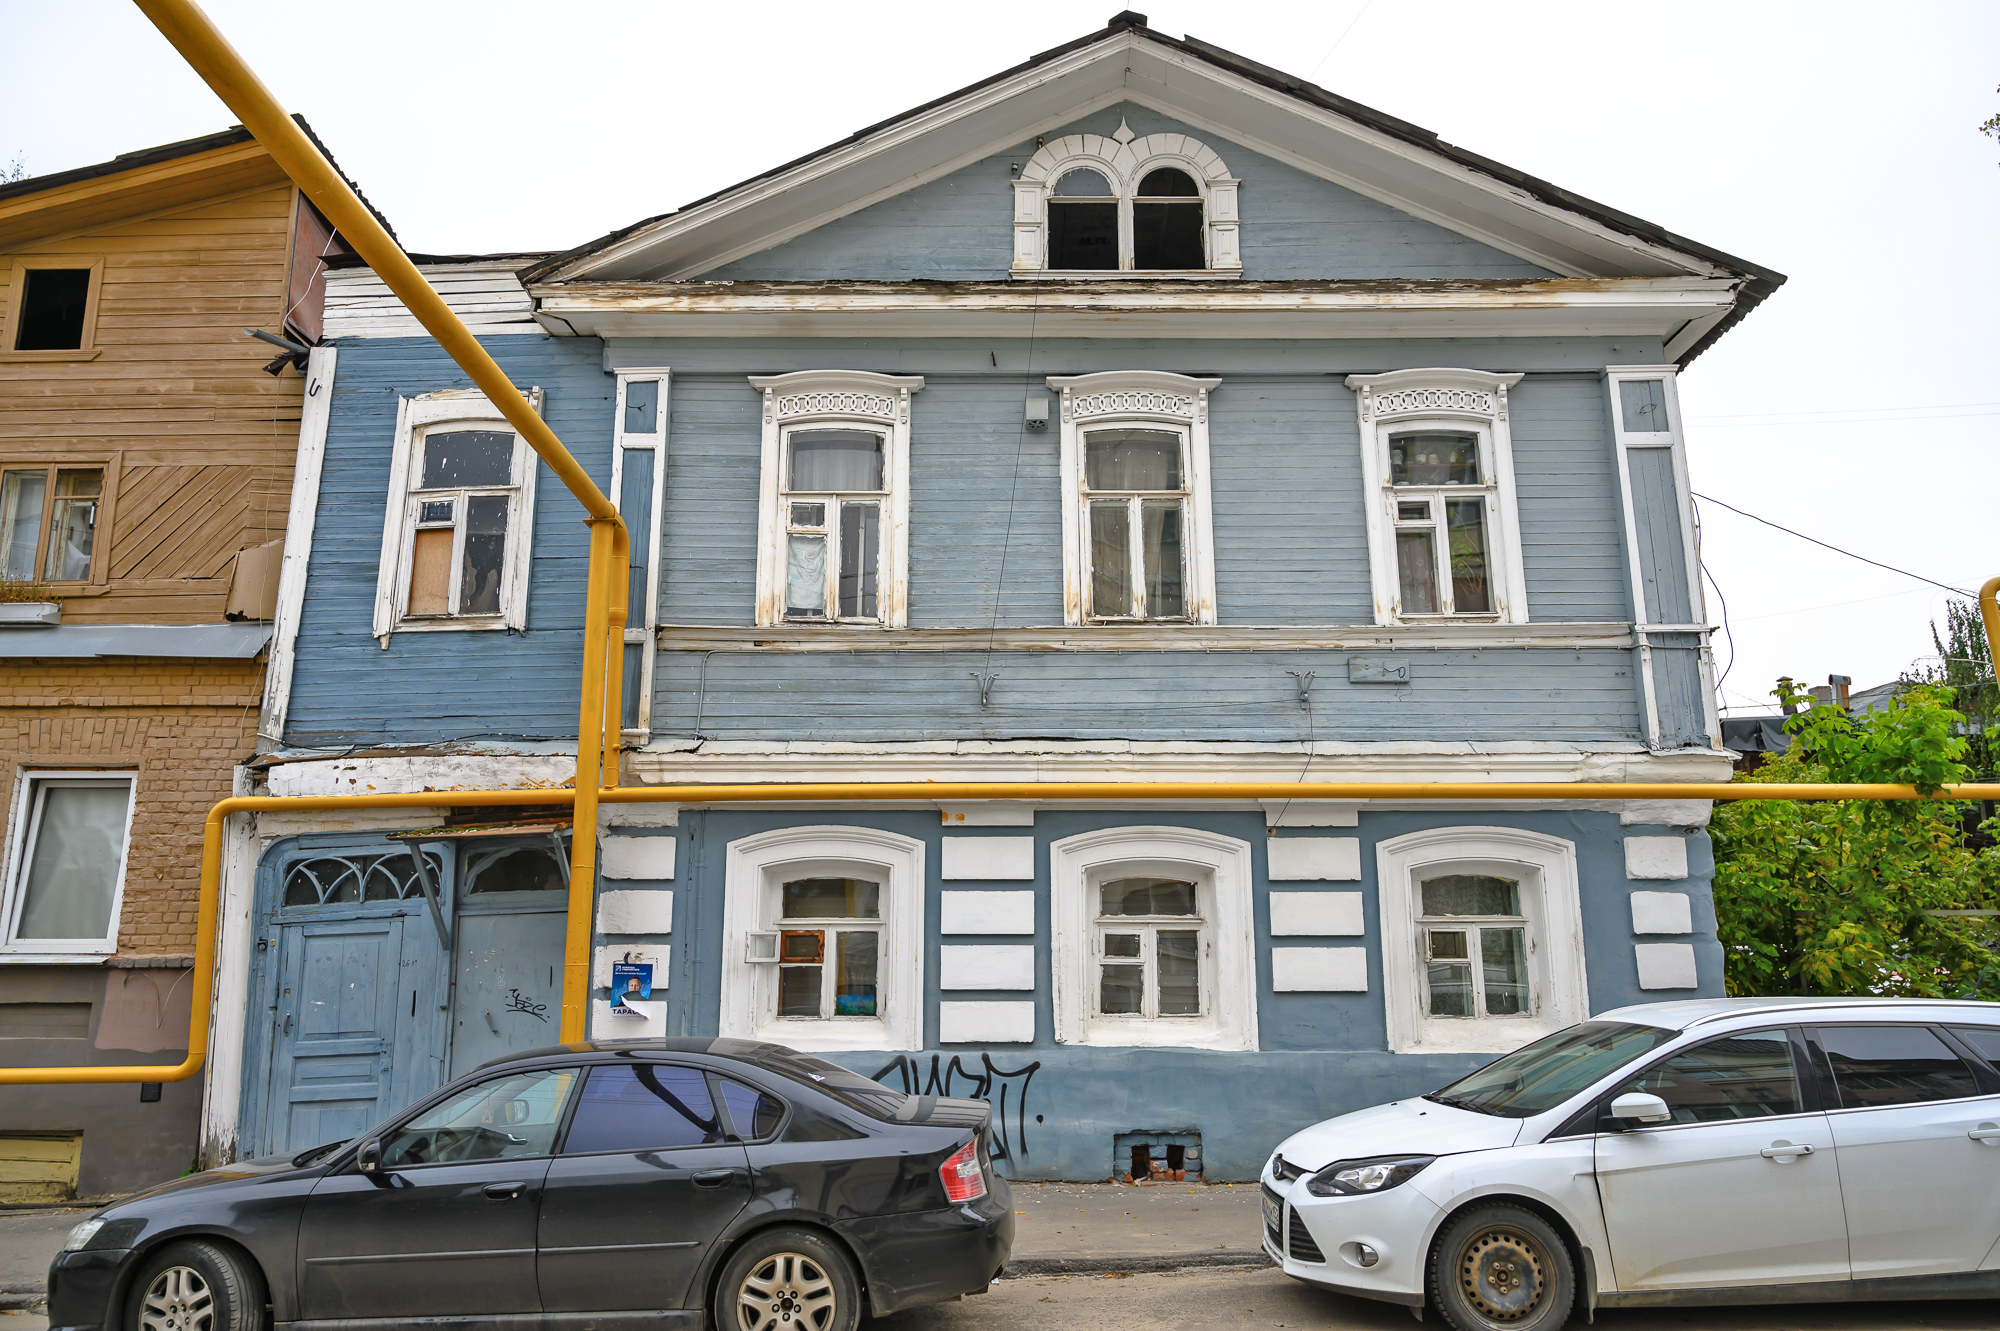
column 1835, row 143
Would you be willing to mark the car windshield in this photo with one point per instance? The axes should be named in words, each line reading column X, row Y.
column 851, row 1088
column 1538, row 1077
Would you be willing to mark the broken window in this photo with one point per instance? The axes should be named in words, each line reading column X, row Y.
column 826, row 947
column 1166, row 222
column 1473, row 942
column 1440, row 494
column 53, row 314
column 48, row 522
column 462, row 510
column 833, row 494
column 1150, row 948
column 1135, row 496
column 69, row 867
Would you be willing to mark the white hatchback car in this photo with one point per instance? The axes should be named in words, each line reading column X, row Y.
column 1713, row 1151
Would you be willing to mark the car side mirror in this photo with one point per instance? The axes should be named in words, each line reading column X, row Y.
column 368, row 1157
column 1641, row 1107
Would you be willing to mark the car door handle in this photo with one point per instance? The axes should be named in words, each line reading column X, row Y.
column 1784, row 1150
column 504, row 1192
column 714, row 1178
column 1985, row 1132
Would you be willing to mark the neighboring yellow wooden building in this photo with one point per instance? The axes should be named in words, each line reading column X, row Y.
column 146, row 452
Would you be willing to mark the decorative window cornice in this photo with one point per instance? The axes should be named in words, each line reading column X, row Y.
column 1431, row 392
column 1125, row 160
column 808, row 393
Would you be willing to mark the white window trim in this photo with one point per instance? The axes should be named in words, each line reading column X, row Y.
column 1136, row 397
column 1546, row 869
column 1403, row 400
column 19, row 842
column 865, row 400
column 642, row 620
column 752, row 862
column 415, row 415
column 1076, row 863
column 1124, row 165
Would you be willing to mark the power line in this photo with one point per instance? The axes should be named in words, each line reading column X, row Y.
column 1311, row 74
column 1836, row 549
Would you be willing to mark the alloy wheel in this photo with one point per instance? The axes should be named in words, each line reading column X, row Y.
column 1502, row 1274
column 178, row 1300
column 787, row 1291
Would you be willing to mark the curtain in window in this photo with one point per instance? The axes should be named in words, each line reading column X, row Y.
column 835, row 461
column 74, row 873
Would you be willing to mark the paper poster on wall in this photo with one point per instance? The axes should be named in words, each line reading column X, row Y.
column 630, row 981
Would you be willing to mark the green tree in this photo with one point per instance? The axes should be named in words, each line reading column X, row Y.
column 1964, row 666
column 1843, row 897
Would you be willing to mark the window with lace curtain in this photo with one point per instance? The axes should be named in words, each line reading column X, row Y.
column 66, row 872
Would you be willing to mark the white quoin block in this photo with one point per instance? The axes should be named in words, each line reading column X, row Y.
column 1009, row 966
column 1321, row 859
column 988, row 813
column 635, row 912
column 637, row 856
column 986, row 913
column 1665, row 965
column 1656, row 857
column 604, row 958
column 1665, row 813
column 1319, row 969
column 1295, row 913
column 986, row 1023
column 639, row 815
column 651, row 1024
column 989, row 857
column 1662, row 913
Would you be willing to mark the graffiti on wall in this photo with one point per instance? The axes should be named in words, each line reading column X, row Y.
column 984, row 1082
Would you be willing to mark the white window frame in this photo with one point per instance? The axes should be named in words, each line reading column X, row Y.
column 1145, row 399
column 836, row 399
column 1474, row 401
column 1545, row 867
column 416, row 417
column 1220, row 867
column 22, row 834
column 642, row 621
column 1125, row 160
column 754, row 868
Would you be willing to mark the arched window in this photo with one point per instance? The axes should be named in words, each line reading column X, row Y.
column 1083, row 222
column 1086, row 203
column 1166, row 222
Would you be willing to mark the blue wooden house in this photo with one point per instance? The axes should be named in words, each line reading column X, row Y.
column 1138, row 413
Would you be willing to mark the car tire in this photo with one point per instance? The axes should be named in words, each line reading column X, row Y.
column 197, row 1286
column 788, row 1279
column 1502, row 1268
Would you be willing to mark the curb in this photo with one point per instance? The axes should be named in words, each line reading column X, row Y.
column 1020, row 1267
column 24, row 1299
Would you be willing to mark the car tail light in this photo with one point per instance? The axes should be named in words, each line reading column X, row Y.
column 964, row 1180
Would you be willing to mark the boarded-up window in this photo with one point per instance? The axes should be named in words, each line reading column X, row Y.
column 462, row 514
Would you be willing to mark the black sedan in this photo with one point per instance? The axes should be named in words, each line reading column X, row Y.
column 601, row 1187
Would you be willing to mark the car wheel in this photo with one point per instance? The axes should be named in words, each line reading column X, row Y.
column 1498, row 1267
column 788, row 1280
column 197, row 1287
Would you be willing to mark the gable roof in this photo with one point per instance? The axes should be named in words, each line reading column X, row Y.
column 1214, row 90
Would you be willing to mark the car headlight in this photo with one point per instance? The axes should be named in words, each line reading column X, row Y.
column 1352, row 1178
column 82, row 1235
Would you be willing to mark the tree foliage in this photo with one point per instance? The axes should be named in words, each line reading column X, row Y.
column 1842, row 897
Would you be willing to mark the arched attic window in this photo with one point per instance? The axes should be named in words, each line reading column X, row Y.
column 1083, row 222
column 1163, row 204
column 1166, row 222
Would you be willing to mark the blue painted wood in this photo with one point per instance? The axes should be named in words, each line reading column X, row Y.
column 1295, row 226
column 1678, row 690
column 509, row 990
column 1566, row 486
column 331, row 1066
column 1656, row 512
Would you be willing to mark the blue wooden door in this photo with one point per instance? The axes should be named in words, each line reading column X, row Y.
column 339, row 993
column 508, row 994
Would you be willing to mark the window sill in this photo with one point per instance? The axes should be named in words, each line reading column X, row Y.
column 452, row 625
column 56, row 958
column 1126, row 274
column 1103, row 1033
column 1494, row 1036
column 71, row 353
column 828, row 1035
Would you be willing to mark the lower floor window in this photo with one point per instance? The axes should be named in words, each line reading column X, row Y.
column 828, row 947
column 1475, row 946
column 1149, row 947
column 68, row 864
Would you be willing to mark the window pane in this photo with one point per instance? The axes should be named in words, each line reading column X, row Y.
column 1160, row 541
column 753, row 1113
column 1465, row 534
column 1083, row 236
column 73, row 525
column 1740, row 1076
column 1120, row 989
column 642, row 407
column 805, row 576
column 74, row 873
column 635, row 505
column 1178, row 954
column 52, row 308
column 1110, row 558
column 1132, row 460
column 522, row 869
column 437, row 510
column 854, row 972
column 1168, row 183
column 832, row 899
column 430, row 572
column 802, row 945
column 485, row 553
column 835, row 460
column 1433, row 457
column 21, row 495
column 1413, row 512
column 1538, row 1077
column 1121, row 945
column 495, row 1120
column 808, row 515
column 1082, row 183
column 1471, row 894
column 1450, row 984
column 1893, row 1065
column 1167, row 235
column 642, row 1107
column 1416, row 572
column 467, row 458
column 1642, row 405
column 1447, row 944
column 1147, row 896
column 1504, row 956
column 798, row 991
column 1985, row 1040
column 860, row 559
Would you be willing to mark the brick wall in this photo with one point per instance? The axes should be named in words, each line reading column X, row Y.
column 182, row 725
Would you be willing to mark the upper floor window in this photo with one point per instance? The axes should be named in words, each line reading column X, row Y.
column 52, row 308
column 461, row 501
column 66, row 873
column 833, row 545
column 1088, row 203
column 48, row 522
column 1136, row 518
column 1437, row 469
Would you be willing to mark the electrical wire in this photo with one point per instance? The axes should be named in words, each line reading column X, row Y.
column 1013, row 492
column 1836, row 549
column 1727, row 635
column 1314, row 72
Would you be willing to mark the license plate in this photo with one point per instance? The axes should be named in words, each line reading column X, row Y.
column 1272, row 1211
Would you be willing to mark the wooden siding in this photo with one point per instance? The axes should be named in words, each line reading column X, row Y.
column 197, row 441
column 487, row 296
column 1566, row 489
column 1295, row 226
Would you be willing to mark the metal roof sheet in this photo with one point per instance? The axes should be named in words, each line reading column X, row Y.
column 231, row 642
